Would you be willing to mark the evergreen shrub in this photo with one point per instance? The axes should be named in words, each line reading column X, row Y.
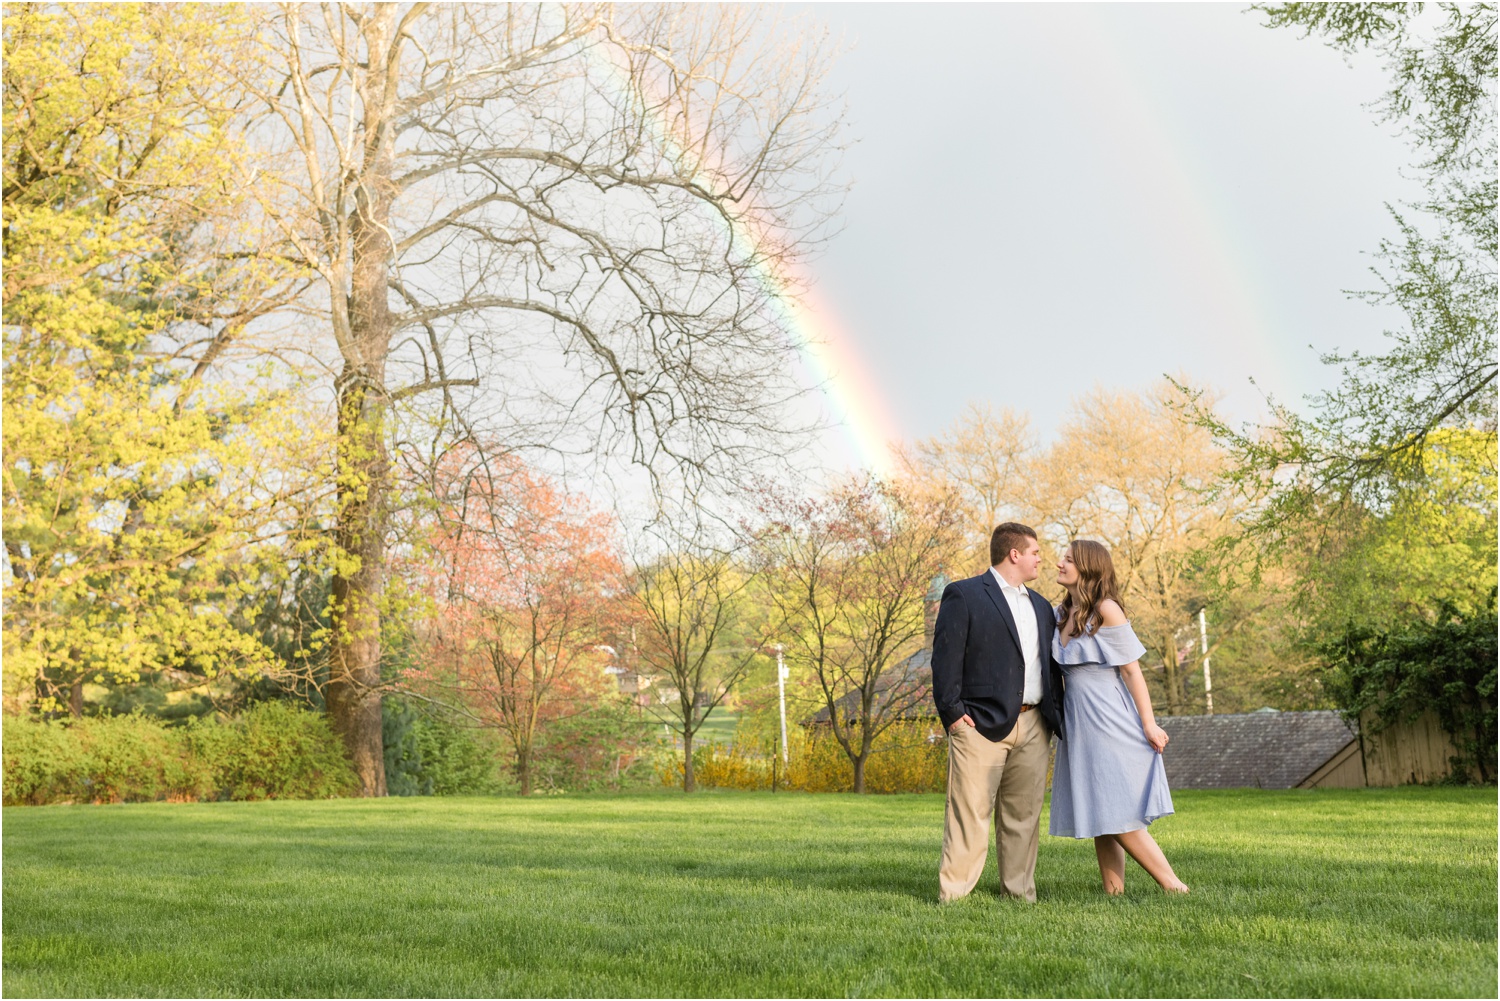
column 273, row 750
column 426, row 755
column 1444, row 662
column 602, row 749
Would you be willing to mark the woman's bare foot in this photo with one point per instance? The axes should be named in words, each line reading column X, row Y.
column 1144, row 849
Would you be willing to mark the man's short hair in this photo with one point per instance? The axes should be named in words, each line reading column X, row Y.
column 1007, row 536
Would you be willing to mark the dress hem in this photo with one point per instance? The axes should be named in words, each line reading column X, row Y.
column 1100, row 834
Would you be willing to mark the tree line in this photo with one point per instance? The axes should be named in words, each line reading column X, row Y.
column 267, row 266
column 310, row 313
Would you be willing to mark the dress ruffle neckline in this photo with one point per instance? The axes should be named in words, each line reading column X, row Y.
column 1112, row 646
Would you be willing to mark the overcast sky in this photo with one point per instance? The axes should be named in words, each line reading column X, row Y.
column 1049, row 197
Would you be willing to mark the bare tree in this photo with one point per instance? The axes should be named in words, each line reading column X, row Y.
column 565, row 224
column 1129, row 470
column 689, row 601
column 988, row 459
column 849, row 574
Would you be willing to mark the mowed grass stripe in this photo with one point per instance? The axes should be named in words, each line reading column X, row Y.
column 1330, row 893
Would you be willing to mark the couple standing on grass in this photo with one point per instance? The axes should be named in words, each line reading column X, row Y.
column 1008, row 672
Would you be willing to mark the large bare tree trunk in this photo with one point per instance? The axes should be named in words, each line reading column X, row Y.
column 364, row 466
column 353, row 693
column 523, row 769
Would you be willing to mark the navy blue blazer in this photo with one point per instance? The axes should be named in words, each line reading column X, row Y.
column 977, row 664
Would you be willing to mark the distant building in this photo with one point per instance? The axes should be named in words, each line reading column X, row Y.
column 1267, row 749
column 642, row 689
column 648, row 689
column 1262, row 750
column 637, row 686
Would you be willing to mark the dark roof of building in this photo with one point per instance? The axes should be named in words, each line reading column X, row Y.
column 909, row 681
column 1264, row 750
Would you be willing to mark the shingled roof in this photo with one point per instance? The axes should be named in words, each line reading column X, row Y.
column 1264, row 750
column 910, row 680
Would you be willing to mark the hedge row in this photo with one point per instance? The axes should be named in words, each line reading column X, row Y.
column 272, row 751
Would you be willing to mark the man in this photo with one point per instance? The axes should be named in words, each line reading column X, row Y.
column 1000, row 697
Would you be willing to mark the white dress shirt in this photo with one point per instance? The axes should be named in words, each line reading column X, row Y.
column 1022, row 610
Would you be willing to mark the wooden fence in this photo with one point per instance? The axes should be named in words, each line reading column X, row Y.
column 1406, row 753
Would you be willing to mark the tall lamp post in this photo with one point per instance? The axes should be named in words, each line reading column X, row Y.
column 1208, row 681
column 781, row 696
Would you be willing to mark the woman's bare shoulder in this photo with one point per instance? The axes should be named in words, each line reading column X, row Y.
column 1111, row 612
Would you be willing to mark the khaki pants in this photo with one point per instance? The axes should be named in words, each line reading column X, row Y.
column 1006, row 778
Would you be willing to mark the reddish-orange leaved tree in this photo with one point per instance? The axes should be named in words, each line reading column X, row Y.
column 525, row 580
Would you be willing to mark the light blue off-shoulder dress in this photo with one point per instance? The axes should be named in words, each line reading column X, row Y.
column 1107, row 778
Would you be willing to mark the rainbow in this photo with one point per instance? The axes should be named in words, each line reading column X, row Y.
column 1215, row 267
column 830, row 358
column 1159, row 157
column 832, row 362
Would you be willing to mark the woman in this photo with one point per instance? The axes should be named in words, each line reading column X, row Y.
column 1108, row 782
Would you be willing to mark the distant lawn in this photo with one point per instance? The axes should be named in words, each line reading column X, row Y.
column 718, row 728
column 1329, row 893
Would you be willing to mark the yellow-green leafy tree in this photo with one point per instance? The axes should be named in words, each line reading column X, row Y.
column 848, row 576
column 150, row 480
column 1433, row 545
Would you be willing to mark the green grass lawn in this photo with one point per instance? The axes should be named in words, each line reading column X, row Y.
column 718, row 728
column 1329, row 893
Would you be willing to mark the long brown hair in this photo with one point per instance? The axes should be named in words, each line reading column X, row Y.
column 1096, row 581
